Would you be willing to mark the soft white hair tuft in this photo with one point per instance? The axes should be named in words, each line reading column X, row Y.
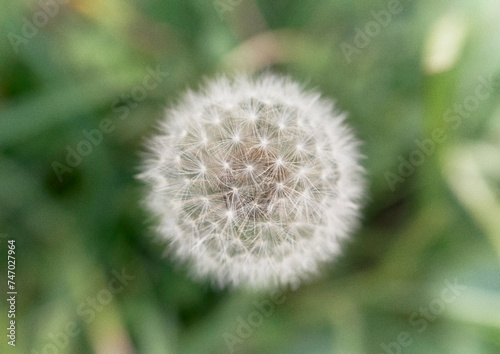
column 254, row 181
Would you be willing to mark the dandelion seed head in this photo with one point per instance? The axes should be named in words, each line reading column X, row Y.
column 258, row 179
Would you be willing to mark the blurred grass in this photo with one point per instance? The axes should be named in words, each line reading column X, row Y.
column 439, row 224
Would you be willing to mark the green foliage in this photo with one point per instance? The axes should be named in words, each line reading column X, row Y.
column 422, row 92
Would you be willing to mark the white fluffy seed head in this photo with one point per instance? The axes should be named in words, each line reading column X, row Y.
column 253, row 181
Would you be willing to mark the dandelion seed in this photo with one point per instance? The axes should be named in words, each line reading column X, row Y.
column 254, row 182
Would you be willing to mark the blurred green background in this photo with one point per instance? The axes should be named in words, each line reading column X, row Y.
column 420, row 81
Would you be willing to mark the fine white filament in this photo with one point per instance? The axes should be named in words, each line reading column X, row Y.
column 254, row 181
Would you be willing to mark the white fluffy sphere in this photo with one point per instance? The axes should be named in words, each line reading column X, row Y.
column 254, row 181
